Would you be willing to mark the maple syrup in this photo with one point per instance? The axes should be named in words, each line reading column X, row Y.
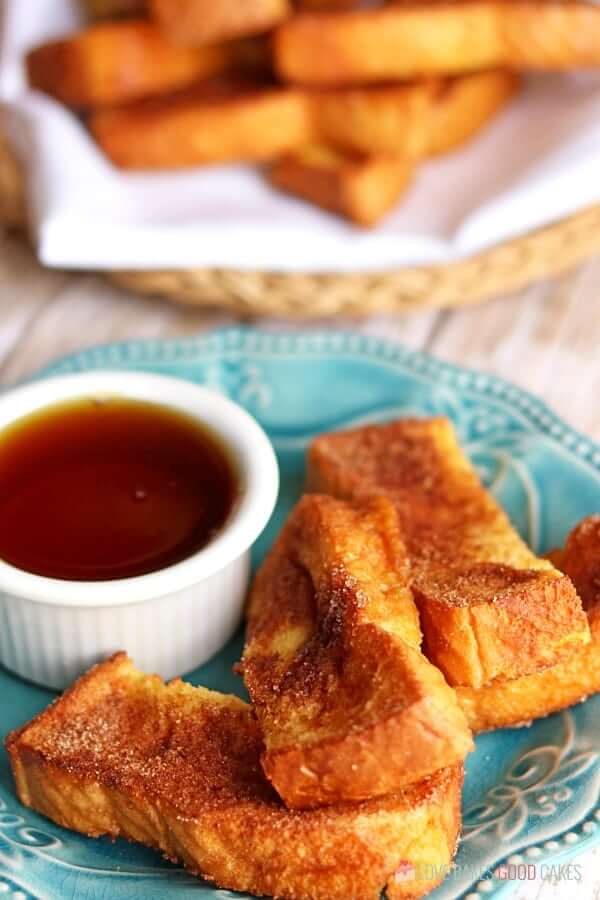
column 95, row 490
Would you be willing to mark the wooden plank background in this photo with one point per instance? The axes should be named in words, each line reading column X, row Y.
column 546, row 338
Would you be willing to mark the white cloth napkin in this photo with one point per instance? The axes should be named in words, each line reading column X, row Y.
column 538, row 161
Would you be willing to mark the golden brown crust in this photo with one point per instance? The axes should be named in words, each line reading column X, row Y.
column 392, row 42
column 348, row 705
column 460, row 107
column 360, row 188
column 516, row 624
column 216, row 123
column 516, row 702
column 177, row 768
column 117, row 62
column 580, row 560
column 388, row 119
column 378, row 134
column 507, row 703
column 489, row 607
column 405, row 40
column 417, row 119
column 197, row 22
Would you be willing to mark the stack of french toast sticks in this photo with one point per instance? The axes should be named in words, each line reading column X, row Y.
column 397, row 611
column 341, row 99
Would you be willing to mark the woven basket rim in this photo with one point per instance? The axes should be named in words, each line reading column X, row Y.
column 506, row 267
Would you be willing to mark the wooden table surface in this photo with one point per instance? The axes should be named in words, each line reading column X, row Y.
column 546, row 339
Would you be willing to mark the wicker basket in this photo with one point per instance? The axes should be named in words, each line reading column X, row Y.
column 545, row 253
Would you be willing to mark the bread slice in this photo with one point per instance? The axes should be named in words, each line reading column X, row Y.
column 416, row 119
column 177, row 768
column 197, row 22
column 516, row 702
column 348, row 705
column 118, row 62
column 407, row 40
column 360, row 188
column 489, row 607
column 217, row 123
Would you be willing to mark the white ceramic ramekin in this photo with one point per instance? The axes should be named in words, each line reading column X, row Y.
column 169, row 621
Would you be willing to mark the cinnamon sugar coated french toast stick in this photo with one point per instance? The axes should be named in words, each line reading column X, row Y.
column 405, row 40
column 359, row 187
column 517, row 701
column 206, row 125
column 489, row 606
column 460, row 107
column 116, row 62
column 415, row 120
column 178, row 768
column 580, row 559
column 389, row 119
column 370, row 139
column 348, row 705
column 198, row 22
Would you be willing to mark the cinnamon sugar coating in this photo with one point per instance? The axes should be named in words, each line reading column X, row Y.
column 489, row 606
column 348, row 705
column 178, row 768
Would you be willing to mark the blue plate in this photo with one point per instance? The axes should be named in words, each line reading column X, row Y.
column 530, row 796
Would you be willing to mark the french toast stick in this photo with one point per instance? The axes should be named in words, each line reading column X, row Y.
column 118, row 62
column 504, row 703
column 348, row 705
column 207, row 125
column 580, row 560
column 197, row 22
column 460, row 107
column 489, row 607
column 177, row 768
column 358, row 187
column 371, row 138
column 389, row 119
column 407, row 40
column 413, row 120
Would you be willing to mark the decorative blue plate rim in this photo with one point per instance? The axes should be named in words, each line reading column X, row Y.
column 240, row 339
column 560, row 777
